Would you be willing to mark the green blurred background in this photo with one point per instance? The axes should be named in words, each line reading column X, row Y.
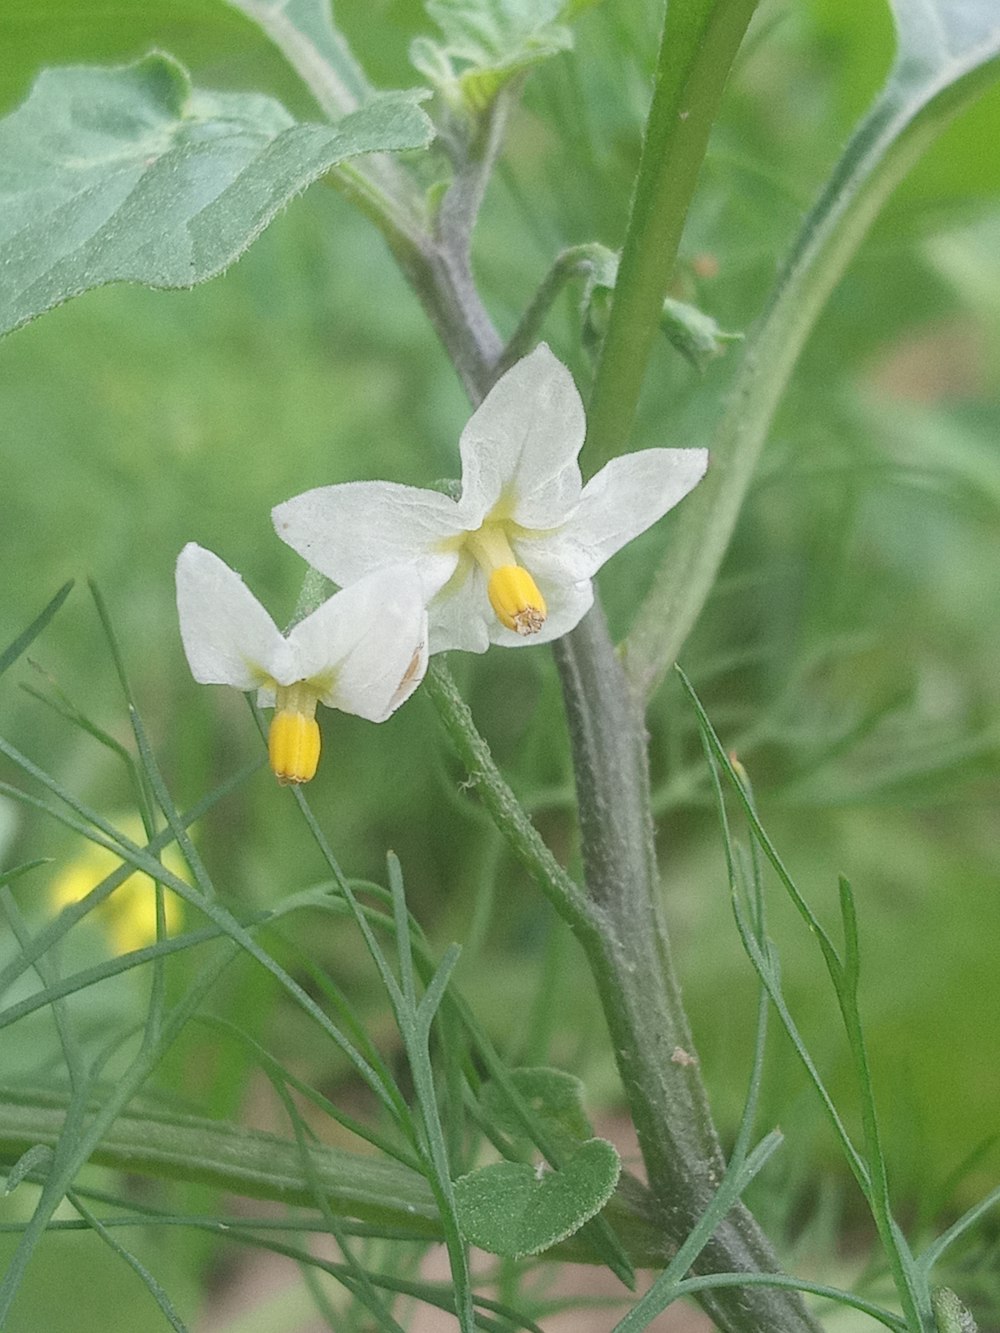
column 849, row 652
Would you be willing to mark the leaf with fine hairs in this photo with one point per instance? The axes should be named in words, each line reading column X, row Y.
column 131, row 174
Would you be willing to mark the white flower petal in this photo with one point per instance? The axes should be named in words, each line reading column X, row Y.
column 622, row 500
column 369, row 640
column 520, row 446
column 228, row 637
column 353, row 529
column 460, row 616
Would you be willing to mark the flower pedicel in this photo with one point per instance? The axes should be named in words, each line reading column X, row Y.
column 364, row 651
column 511, row 561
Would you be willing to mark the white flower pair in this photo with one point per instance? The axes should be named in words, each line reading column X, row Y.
column 510, row 562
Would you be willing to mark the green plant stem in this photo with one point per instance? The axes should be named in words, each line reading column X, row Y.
column 504, row 807
column 699, row 44
column 573, row 262
column 437, row 260
column 630, row 958
column 620, row 920
column 386, row 1194
column 887, row 143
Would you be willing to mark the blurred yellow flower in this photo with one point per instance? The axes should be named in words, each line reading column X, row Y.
column 129, row 914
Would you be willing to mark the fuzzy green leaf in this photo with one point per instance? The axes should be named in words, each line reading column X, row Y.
column 487, row 42
column 130, row 174
column 514, row 1209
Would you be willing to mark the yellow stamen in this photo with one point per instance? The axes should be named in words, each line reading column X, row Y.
column 515, row 598
column 293, row 741
column 513, row 593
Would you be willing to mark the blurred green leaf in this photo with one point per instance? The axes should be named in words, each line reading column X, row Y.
column 487, row 42
column 554, row 1096
column 131, row 174
column 24, row 641
column 514, row 1209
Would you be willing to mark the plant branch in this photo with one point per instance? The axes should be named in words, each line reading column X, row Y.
column 506, row 811
column 631, row 961
column 885, row 146
column 700, row 41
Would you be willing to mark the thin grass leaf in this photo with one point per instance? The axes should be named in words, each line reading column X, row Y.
column 869, row 1171
column 113, row 967
column 152, row 1286
column 163, row 799
column 63, row 706
column 35, row 1162
column 663, row 1292
column 272, row 1067
column 46, row 971
column 401, row 916
column 414, row 1028
column 15, row 872
column 830, row 955
column 758, row 948
column 78, row 1140
column 765, row 967
column 362, row 1286
column 434, row 993
column 45, row 937
column 934, row 1202
column 438, row 1295
column 692, row 1285
column 936, row 1249
column 898, row 1252
column 220, row 916
column 598, row 1233
column 62, row 1168
column 14, row 650
column 378, row 957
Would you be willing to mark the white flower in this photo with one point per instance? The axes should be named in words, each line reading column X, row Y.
column 363, row 651
column 511, row 561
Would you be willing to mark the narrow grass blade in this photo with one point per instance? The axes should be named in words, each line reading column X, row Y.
column 24, row 641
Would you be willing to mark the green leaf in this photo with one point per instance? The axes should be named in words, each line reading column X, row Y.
column 24, row 641
column 553, row 1096
column 948, row 52
column 487, row 43
column 514, row 1209
column 35, row 1159
column 304, row 32
column 131, row 174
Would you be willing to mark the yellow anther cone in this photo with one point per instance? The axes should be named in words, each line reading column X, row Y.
column 293, row 744
column 516, row 600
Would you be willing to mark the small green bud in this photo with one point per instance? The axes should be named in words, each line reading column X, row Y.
column 950, row 1314
column 696, row 335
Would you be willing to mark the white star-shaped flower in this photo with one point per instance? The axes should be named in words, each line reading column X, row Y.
column 511, row 561
column 363, row 651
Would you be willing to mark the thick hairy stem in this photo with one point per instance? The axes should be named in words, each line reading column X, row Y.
column 445, row 287
column 630, row 958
